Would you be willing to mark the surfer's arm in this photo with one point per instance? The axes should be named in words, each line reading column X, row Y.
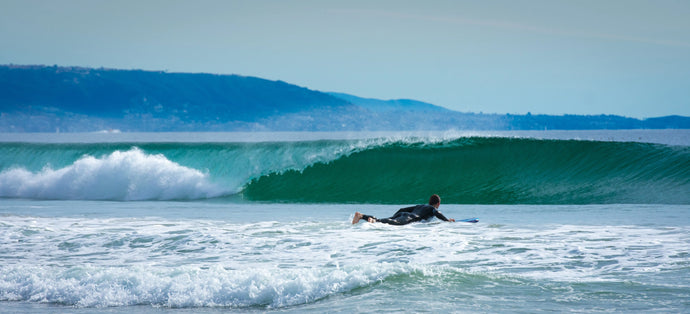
column 442, row 217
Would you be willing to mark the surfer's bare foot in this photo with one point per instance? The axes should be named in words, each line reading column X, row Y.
column 358, row 216
column 371, row 220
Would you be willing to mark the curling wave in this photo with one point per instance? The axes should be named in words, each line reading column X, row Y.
column 476, row 170
column 490, row 171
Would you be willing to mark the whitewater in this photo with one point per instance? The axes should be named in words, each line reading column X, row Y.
column 584, row 221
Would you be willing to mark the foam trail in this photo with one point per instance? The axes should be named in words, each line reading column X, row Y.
column 184, row 287
column 122, row 175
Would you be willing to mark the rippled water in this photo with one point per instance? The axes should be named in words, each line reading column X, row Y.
column 146, row 256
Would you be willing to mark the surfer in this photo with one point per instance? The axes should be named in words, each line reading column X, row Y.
column 408, row 214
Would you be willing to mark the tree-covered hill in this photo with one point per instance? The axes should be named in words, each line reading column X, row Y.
column 76, row 99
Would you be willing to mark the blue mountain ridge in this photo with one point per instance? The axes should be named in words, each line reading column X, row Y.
column 37, row 98
column 378, row 105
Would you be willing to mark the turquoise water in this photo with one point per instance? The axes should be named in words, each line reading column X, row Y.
column 201, row 223
column 465, row 169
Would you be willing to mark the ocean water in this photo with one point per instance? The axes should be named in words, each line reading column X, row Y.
column 582, row 221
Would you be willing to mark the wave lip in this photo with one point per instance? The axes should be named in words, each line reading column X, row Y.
column 123, row 175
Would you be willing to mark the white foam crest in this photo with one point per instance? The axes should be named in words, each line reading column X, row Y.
column 184, row 287
column 122, row 175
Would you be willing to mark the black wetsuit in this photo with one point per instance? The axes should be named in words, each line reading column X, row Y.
column 410, row 214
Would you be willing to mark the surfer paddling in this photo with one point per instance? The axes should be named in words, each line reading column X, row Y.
column 408, row 214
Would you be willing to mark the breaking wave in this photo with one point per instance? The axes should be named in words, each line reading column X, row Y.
column 478, row 170
column 121, row 175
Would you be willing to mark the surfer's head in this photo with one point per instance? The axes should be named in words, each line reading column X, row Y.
column 435, row 200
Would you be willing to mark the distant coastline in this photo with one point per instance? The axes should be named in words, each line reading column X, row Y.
column 37, row 98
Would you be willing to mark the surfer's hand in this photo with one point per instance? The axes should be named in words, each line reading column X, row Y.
column 451, row 220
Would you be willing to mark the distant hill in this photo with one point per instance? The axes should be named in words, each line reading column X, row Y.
column 76, row 99
column 41, row 98
column 389, row 105
column 668, row 122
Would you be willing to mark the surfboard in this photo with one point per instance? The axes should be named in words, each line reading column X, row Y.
column 472, row 220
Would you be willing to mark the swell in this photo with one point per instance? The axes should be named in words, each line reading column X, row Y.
column 468, row 170
column 490, row 171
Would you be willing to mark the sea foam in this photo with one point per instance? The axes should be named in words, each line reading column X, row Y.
column 184, row 287
column 121, row 175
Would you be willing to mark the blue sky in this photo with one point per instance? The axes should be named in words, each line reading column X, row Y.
column 624, row 57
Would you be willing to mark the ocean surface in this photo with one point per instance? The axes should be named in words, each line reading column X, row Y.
column 579, row 221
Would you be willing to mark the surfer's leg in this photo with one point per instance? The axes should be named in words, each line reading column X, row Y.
column 400, row 219
column 391, row 221
column 359, row 216
column 369, row 218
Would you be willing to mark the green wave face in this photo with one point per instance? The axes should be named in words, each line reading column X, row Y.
column 490, row 171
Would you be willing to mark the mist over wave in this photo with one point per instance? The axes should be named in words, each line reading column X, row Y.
column 121, row 175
